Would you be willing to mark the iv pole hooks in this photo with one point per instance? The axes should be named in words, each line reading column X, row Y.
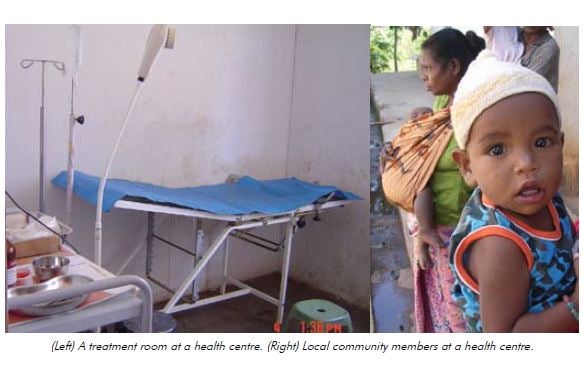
column 26, row 63
column 59, row 65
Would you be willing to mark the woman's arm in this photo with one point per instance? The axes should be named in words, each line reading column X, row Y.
column 500, row 269
column 423, row 208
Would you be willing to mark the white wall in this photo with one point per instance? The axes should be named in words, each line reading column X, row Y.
column 219, row 103
column 568, row 40
column 329, row 144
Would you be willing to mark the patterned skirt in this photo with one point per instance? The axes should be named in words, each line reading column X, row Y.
column 435, row 310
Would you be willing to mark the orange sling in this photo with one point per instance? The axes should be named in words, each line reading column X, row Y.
column 412, row 155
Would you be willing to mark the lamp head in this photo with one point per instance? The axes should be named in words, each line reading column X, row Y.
column 161, row 36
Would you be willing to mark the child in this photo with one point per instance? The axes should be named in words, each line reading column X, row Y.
column 511, row 251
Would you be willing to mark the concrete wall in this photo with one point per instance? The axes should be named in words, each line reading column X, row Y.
column 568, row 40
column 329, row 144
column 219, row 103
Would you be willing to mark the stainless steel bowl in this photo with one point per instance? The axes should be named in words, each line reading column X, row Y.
column 48, row 267
column 51, row 307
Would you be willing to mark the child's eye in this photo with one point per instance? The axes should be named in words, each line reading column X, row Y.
column 543, row 142
column 496, row 150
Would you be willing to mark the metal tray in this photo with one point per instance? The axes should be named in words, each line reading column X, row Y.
column 52, row 307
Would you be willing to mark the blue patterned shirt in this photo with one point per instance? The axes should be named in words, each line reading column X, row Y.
column 548, row 254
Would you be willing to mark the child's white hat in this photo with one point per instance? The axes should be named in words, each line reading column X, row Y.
column 488, row 81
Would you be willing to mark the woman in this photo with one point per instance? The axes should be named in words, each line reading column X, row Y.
column 445, row 57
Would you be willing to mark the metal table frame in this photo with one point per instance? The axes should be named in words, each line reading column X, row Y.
column 236, row 226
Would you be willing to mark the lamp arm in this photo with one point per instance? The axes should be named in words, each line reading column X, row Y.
column 101, row 190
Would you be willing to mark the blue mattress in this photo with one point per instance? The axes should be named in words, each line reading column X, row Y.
column 246, row 196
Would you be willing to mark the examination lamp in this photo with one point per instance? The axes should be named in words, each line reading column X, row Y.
column 161, row 36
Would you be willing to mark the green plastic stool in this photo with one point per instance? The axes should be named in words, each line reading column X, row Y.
column 317, row 316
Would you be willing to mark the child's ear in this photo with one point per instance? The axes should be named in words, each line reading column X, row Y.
column 463, row 162
column 562, row 139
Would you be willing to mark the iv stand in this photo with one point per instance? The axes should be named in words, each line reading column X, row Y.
column 59, row 65
column 73, row 120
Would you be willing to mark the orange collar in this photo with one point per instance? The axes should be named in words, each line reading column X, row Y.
column 554, row 234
